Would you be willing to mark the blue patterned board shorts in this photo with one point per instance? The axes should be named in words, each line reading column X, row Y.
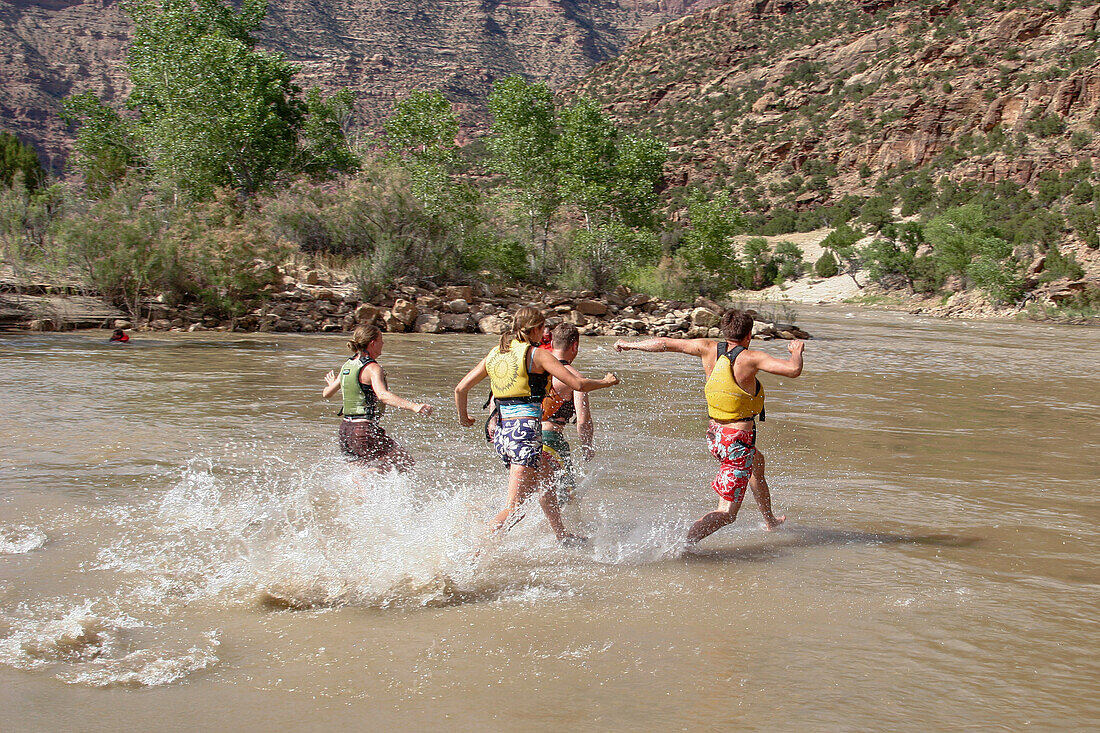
column 518, row 437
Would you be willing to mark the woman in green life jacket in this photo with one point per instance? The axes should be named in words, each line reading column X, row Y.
column 362, row 384
column 518, row 371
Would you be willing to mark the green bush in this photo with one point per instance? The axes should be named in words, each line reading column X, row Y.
column 1059, row 266
column 826, row 266
column 19, row 163
column 1046, row 126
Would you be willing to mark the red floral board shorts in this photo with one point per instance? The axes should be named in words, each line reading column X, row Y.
column 735, row 449
column 365, row 439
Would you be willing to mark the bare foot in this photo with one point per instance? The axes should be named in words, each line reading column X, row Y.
column 573, row 540
column 774, row 525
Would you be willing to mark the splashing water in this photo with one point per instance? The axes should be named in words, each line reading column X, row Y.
column 20, row 539
column 278, row 536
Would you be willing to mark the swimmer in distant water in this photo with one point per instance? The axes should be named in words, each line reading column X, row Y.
column 362, row 383
column 518, row 373
column 561, row 405
column 119, row 337
column 734, row 398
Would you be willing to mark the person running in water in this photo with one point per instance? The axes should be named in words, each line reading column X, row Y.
column 561, row 405
column 734, row 398
column 362, row 383
column 518, row 372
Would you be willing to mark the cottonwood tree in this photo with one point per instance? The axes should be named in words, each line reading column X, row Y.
column 611, row 178
column 522, row 145
column 211, row 110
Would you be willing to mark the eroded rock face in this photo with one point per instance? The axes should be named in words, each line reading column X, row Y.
column 896, row 90
column 380, row 51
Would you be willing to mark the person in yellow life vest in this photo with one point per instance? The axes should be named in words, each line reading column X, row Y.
column 560, row 406
column 735, row 398
column 361, row 382
column 518, row 372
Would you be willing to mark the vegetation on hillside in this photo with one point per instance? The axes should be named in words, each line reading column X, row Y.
column 221, row 166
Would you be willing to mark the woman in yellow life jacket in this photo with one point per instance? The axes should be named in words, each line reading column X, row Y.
column 362, row 385
column 735, row 398
column 518, row 372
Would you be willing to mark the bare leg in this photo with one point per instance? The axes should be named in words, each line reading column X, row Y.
column 711, row 522
column 548, row 500
column 760, row 492
column 522, row 481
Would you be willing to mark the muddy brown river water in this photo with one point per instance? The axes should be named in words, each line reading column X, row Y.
column 181, row 548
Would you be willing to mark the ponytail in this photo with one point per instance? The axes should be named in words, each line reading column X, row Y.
column 362, row 336
column 525, row 320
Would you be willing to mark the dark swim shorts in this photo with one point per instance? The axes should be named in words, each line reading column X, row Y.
column 365, row 439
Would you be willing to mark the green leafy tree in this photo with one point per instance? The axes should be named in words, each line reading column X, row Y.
column 760, row 266
column 788, row 258
column 964, row 244
column 19, row 162
column 611, row 178
column 841, row 244
column 877, row 212
column 586, row 158
column 106, row 149
column 213, row 111
column 707, row 246
column 421, row 136
column 522, row 146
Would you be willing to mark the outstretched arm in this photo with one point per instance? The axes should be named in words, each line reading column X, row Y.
column 569, row 376
column 694, row 347
column 783, row 367
column 472, row 377
column 382, row 390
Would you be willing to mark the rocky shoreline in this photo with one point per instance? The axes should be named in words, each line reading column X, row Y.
column 302, row 300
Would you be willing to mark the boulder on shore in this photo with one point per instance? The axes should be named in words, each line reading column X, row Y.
column 492, row 324
column 428, row 323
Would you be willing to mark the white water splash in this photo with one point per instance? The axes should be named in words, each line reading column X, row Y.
column 20, row 539
column 275, row 536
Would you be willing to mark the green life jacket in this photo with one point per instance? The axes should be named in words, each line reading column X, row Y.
column 359, row 399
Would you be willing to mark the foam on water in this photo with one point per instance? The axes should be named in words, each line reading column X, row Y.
column 232, row 533
column 20, row 539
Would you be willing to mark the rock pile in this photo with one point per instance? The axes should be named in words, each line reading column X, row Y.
column 310, row 304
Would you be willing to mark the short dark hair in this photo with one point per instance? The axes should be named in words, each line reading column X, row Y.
column 564, row 335
column 735, row 324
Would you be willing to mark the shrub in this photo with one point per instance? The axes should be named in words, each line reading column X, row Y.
column 1046, row 126
column 826, row 266
column 1060, row 266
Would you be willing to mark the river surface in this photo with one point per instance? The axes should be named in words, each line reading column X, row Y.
column 182, row 548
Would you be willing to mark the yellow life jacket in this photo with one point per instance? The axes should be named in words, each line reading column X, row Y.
column 725, row 398
column 509, row 378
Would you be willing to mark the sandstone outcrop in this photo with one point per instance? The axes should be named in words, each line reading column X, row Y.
column 753, row 95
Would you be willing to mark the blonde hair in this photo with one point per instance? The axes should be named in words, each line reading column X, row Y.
column 523, row 322
column 362, row 336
